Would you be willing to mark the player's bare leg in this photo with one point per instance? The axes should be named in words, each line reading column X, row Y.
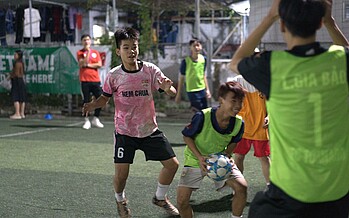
column 119, row 182
column 265, row 163
column 183, row 197
column 166, row 176
column 120, row 177
column 168, row 171
column 238, row 203
column 239, row 161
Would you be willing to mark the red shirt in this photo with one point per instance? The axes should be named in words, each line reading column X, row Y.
column 87, row 74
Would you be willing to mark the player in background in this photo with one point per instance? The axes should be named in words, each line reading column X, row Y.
column 132, row 85
column 89, row 61
column 213, row 130
column 306, row 87
column 254, row 114
column 18, row 88
column 192, row 73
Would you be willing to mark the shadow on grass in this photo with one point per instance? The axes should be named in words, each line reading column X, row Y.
column 213, row 206
column 217, row 205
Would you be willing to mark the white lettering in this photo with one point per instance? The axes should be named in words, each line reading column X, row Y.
column 52, row 63
column 10, row 59
column 40, row 79
column 312, row 80
column 2, row 63
column 32, row 66
column 43, row 64
column 299, row 82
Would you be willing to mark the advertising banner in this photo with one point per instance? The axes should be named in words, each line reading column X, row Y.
column 51, row 70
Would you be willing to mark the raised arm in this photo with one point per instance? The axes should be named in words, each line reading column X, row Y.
column 248, row 46
column 335, row 33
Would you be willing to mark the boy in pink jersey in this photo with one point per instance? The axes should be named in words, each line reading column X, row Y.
column 132, row 85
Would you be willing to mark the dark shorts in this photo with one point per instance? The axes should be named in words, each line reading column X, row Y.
column 274, row 203
column 91, row 87
column 155, row 147
column 198, row 100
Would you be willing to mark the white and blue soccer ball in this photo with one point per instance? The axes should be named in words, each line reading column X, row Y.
column 218, row 166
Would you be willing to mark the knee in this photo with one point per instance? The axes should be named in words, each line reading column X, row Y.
column 173, row 165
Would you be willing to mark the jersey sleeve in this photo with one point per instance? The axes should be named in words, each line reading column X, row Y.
column 158, row 75
column 195, row 126
column 256, row 70
column 107, row 86
column 78, row 55
column 183, row 67
column 98, row 58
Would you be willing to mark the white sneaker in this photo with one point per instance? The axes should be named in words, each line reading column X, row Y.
column 87, row 124
column 97, row 123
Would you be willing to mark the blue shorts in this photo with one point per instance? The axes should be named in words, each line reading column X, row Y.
column 198, row 99
column 155, row 147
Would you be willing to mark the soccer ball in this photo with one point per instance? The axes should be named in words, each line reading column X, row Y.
column 218, row 167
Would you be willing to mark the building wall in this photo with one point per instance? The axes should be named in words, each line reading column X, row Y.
column 273, row 38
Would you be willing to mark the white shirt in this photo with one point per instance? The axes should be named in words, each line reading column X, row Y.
column 35, row 23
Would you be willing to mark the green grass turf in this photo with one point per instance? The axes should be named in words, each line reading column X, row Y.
column 56, row 169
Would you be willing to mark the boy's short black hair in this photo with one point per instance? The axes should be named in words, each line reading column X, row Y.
column 125, row 34
column 302, row 17
column 20, row 54
column 231, row 86
column 85, row 35
column 193, row 40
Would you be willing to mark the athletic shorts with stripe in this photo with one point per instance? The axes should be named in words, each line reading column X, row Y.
column 156, row 147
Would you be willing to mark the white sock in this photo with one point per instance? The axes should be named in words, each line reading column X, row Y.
column 232, row 216
column 86, row 119
column 120, row 196
column 161, row 191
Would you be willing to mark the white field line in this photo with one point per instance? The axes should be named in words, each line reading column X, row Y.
column 172, row 124
column 75, row 124
column 37, row 131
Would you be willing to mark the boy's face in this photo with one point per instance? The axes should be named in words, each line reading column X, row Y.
column 128, row 51
column 86, row 42
column 196, row 47
column 231, row 104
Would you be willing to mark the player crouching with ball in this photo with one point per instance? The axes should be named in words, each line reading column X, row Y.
column 213, row 130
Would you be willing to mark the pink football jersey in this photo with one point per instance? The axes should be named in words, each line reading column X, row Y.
column 133, row 99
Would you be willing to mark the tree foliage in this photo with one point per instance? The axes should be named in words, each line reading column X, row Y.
column 107, row 40
column 145, row 15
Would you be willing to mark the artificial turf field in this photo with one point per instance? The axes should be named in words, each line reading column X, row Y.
column 54, row 168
